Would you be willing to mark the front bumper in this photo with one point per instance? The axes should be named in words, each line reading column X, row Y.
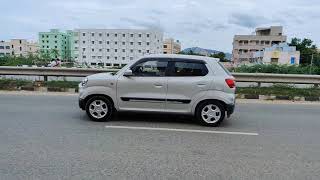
column 82, row 104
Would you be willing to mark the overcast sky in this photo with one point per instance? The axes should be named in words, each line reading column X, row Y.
column 204, row 23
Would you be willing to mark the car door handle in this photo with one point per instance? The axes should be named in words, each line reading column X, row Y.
column 201, row 84
column 158, row 85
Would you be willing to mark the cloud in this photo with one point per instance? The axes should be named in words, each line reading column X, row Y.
column 204, row 23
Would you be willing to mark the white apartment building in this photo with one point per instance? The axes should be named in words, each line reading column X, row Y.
column 114, row 47
column 5, row 49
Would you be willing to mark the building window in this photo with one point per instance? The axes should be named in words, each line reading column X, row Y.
column 148, row 51
column 100, row 42
column 140, row 35
column 83, row 34
column 100, row 50
column 115, row 42
column 108, row 50
column 148, row 43
column 56, row 42
column 108, row 64
column 148, row 35
column 123, row 58
column 123, row 50
column 165, row 46
column 47, row 36
column 131, row 58
column 139, row 51
column 92, row 50
column 131, row 50
column 56, row 47
column 55, row 36
column 7, row 47
column 42, row 41
column 131, row 43
column 83, row 42
column 115, row 35
column 47, row 46
column 92, row 42
column 42, row 36
column 47, row 41
column 84, row 57
column 116, row 50
column 93, row 57
column 108, row 42
column 92, row 34
column 123, row 43
column 123, row 35
column 100, row 34
column 115, row 58
column 42, row 46
column 83, row 49
column 1, row 47
column 108, row 57
column 131, row 35
column 107, row 34
column 76, row 42
column 76, row 48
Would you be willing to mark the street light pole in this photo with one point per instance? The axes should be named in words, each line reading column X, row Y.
column 311, row 64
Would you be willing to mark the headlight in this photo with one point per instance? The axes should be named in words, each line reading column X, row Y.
column 84, row 82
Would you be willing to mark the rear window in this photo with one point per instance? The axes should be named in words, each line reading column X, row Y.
column 225, row 69
column 189, row 69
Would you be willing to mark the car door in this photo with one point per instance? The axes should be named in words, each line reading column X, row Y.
column 187, row 80
column 146, row 89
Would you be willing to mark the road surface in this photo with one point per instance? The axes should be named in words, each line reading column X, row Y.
column 49, row 137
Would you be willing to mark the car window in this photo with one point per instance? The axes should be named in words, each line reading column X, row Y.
column 189, row 69
column 150, row 68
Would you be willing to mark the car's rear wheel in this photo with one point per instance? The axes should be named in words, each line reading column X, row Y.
column 99, row 108
column 210, row 113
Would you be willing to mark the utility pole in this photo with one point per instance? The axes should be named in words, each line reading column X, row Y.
column 311, row 64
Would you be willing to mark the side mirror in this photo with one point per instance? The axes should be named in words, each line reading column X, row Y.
column 128, row 73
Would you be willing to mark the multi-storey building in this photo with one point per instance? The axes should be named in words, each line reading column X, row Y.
column 18, row 47
column 22, row 47
column 5, row 49
column 55, row 44
column 245, row 46
column 114, row 47
column 170, row 46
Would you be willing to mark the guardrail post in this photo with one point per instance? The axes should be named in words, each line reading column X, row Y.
column 259, row 84
column 45, row 78
column 316, row 85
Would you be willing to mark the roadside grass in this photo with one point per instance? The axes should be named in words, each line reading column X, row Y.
column 13, row 84
column 280, row 90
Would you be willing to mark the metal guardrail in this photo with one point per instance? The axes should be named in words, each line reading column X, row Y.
column 80, row 72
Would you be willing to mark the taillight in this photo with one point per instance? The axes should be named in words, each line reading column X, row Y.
column 231, row 83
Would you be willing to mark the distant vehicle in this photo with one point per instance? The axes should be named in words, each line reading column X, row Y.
column 179, row 84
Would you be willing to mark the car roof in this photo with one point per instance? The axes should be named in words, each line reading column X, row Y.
column 180, row 56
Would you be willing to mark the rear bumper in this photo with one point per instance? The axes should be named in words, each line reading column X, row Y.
column 230, row 109
column 82, row 104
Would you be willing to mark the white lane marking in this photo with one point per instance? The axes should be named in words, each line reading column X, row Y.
column 181, row 130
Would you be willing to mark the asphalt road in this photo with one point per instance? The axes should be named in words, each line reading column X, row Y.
column 49, row 137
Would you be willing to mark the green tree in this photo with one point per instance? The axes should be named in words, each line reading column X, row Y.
column 220, row 55
column 307, row 49
column 54, row 53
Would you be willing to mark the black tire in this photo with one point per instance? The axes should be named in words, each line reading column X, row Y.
column 110, row 109
column 215, row 122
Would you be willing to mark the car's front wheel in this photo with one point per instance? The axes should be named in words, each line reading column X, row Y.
column 99, row 108
column 210, row 113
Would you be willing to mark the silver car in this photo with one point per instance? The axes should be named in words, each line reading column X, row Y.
column 180, row 84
